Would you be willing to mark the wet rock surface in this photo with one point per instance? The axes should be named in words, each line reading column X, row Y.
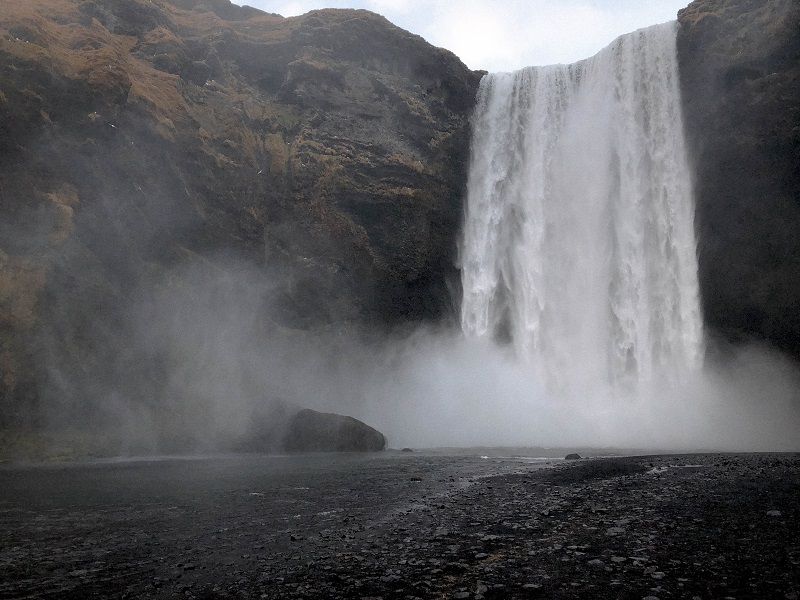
column 740, row 81
column 143, row 143
column 312, row 431
column 399, row 525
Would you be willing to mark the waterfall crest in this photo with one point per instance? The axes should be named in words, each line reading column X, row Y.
column 578, row 246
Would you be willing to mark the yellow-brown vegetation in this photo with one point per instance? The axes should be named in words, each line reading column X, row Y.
column 144, row 139
column 20, row 284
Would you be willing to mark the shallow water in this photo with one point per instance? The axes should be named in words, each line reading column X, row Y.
column 126, row 481
column 76, row 528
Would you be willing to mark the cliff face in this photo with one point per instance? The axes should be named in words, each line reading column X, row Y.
column 173, row 171
column 144, row 139
column 740, row 78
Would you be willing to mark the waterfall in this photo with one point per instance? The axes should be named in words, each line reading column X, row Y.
column 578, row 247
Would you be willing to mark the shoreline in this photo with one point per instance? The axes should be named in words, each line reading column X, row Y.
column 411, row 525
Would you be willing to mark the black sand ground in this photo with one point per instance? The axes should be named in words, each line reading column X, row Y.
column 398, row 525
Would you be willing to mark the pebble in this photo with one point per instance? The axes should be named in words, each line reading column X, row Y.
column 618, row 559
column 436, row 545
column 597, row 563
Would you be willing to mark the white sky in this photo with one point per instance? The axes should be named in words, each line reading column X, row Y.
column 505, row 35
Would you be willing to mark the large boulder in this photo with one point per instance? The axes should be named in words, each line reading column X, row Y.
column 312, row 431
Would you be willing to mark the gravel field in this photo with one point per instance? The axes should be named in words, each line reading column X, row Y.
column 404, row 525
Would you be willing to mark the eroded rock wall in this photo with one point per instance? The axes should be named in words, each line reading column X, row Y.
column 740, row 79
column 141, row 140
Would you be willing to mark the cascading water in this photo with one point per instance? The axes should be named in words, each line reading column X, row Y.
column 578, row 244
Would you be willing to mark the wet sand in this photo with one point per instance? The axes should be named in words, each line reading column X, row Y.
column 404, row 525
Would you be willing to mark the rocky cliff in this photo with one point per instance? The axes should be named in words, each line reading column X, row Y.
column 151, row 146
column 181, row 180
column 740, row 78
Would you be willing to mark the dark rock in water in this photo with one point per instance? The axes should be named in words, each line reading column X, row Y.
column 406, row 450
column 312, row 431
column 572, row 456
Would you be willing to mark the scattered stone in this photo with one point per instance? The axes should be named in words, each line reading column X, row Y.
column 773, row 513
column 618, row 559
column 596, row 562
column 530, row 586
column 335, row 537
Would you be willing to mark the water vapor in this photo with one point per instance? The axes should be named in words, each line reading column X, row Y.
column 209, row 370
column 581, row 324
column 447, row 390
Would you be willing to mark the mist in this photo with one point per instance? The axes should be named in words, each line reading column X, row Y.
column 224, row 375
column 446, row 390
column 199, row 357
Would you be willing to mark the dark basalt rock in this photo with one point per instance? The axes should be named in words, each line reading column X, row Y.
column 740, row 81
column 312, row 431
column 140, row 140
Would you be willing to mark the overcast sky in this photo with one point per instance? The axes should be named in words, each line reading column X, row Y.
column 505, row 35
